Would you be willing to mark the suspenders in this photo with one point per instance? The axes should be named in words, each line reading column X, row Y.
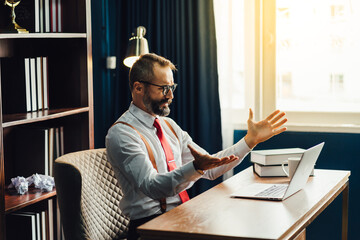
column 151, row 154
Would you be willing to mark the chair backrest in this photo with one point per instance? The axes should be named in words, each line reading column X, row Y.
column 89, row 195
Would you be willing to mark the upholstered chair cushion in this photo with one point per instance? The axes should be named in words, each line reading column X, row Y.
column 89, row 195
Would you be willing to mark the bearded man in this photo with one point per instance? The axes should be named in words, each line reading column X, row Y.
column 154, row 160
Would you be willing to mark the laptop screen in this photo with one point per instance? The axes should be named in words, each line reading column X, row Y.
column 304, row 169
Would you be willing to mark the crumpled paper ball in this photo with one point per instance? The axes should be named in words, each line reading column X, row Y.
column 44, row 182
column 20, row 184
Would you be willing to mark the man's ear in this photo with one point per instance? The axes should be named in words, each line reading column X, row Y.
column 138, row 87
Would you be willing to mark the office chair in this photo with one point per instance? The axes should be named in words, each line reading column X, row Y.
column 88, row 195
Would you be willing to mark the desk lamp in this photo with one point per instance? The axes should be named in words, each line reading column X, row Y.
column 138, row 45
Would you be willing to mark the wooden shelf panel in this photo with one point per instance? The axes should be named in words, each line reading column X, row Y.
column 10, row 120
column 14, row 202
column 41, row 35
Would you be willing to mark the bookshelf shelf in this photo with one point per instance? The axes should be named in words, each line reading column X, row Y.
column 41, row 35
column 46, row 101
column 11, row 120
column 14, row 202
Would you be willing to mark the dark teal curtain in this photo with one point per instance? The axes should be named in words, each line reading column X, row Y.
column 180, row 30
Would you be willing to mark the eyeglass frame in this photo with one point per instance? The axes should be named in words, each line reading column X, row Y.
column 166, row 88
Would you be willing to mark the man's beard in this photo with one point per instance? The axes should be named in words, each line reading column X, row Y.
column 155, row 106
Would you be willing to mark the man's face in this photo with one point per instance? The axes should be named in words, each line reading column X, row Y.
column 154, row 99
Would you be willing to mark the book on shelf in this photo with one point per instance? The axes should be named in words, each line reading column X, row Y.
column 46, row 16
column 42, row 100
column 45, row 94
column 34, row 105
column 50, row 212
column 38, row 225
column 41, row 16
column 55, row 16
column 37, row 15
column 274, row 156
column 59, row 16
column 39, row 83
column 51, row 150
column 40, row 97
column 27, row 84
column 44, row 225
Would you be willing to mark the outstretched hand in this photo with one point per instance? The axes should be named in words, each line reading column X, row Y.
column 205, row 161
column 263, row 130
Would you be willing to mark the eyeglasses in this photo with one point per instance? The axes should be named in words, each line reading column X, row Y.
column 165, row 88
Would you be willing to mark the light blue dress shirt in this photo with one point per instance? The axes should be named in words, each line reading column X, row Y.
column 141, row 184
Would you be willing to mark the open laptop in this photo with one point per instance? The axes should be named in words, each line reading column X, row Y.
column 280, row 192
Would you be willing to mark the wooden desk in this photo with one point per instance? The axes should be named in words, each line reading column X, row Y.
column 214, row 215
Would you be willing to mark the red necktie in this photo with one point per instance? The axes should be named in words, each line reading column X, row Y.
column 169, row 155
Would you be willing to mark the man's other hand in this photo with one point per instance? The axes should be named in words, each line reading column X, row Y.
column 263, row 130
column 205, row 161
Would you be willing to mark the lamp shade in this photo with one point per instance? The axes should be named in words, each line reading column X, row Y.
column 138, row 45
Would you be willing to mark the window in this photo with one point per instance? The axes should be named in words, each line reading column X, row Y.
column 309, row 52
column 297, row 56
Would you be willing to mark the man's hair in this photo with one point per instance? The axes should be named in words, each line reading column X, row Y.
column 143, row 68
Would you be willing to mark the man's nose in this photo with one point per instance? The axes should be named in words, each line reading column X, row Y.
column 170, row 94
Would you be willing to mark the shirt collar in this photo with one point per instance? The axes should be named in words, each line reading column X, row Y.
column 144, row 117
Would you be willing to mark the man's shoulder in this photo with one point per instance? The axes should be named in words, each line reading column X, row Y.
column 122, row 124
column 121, row 133
column 119, row 125
column 170, row 121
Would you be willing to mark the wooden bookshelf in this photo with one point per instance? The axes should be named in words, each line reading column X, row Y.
column 70, row 99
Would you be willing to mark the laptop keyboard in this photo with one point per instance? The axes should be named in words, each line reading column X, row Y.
column 273, row 191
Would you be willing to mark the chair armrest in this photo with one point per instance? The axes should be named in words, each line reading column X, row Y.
column 68, row 188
